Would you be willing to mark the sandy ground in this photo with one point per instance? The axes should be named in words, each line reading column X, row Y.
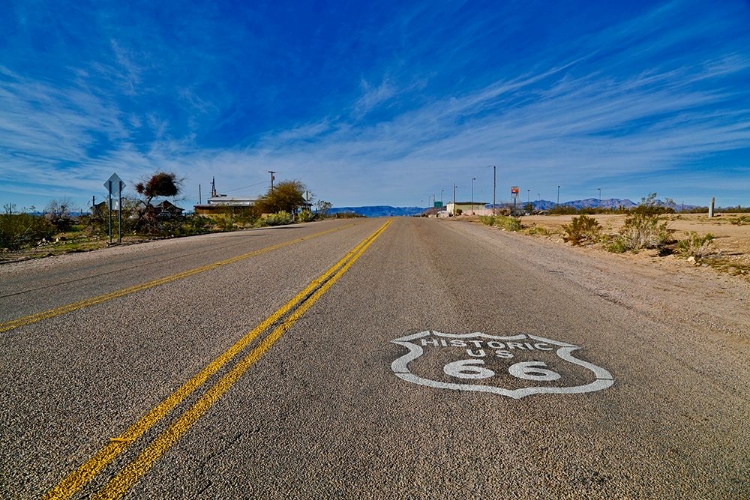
column 729, row 251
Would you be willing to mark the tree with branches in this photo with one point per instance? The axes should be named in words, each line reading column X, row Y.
column 160, row 185
column 286, row 196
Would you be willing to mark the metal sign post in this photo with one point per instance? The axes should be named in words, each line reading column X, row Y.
column 514, row 193
column 115, row 185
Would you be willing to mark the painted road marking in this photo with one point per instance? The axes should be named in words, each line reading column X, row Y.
column 487, row 358
column 288, row 314
column 58, row 311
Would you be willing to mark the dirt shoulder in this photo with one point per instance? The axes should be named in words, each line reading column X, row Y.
column 729, row 251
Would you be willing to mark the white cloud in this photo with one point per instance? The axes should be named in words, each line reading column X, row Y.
column 619, row 113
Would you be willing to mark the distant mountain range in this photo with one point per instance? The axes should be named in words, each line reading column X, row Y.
column 612, row 203
column 388, row 211
column 379, row 211
column 587, row 203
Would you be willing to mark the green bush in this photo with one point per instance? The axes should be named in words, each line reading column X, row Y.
column 279, row 219
column 501, row 221
column 19, row 230
column 694, row 245
column 582, row 228
column 349, row 215
column 190, row 225
column 305, row 216
column 643, row 229
column 508, row 223
column 534, row 230
column 617, row 246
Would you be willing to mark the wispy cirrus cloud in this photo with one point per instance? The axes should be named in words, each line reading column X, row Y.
column 417, row 99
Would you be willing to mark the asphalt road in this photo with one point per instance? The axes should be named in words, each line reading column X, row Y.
column 262, row 364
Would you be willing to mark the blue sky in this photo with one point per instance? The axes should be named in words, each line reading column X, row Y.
column 377, row 103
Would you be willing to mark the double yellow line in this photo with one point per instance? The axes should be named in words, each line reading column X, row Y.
column 51, row 313
column 281, row 320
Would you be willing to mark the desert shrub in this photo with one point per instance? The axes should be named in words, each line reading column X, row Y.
column 534, row 230
column 617, row 245
column 192, row 224
column 694, row 245
column 644, row 229
column 349, row 215
column 582, row 228
column 738, row 221
column 508, row 223
column 18, row 230
column 502, row 221
column 557, row 210
column 305, row 216
column 221, row 222
column 279, row 219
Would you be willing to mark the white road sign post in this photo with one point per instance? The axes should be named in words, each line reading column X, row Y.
column 115, row 185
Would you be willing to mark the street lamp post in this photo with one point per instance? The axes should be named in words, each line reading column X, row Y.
column 528, row 196
column 441, row 196
column 558, row 195
column 600, row 197
column 454, row 200
column 472, row 194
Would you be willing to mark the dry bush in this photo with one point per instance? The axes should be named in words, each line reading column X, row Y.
column 582, row 228
column 695, row 245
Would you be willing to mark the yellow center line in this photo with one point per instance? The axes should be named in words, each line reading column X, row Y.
column 128, row 476
column 86, row 472
column 51, row 313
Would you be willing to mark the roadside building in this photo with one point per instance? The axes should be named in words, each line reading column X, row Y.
column 468, row 208
column 222, row 204
column 166, row 210
column 218, row 204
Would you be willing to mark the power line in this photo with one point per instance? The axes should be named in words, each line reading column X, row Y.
column 244, row 187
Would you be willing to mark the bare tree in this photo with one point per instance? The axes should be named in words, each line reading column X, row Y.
column 57, row 212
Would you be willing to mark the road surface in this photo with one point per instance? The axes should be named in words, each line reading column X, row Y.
column 403, row 358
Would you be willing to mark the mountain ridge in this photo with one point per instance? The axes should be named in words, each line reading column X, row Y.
column 539, row 205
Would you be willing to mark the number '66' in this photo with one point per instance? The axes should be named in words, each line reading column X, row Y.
column 473, row 369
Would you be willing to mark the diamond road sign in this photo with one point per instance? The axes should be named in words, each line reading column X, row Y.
column 114, row 185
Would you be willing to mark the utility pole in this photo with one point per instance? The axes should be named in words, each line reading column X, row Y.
column 494, row 187
column 454, row 199
column 272, row 179
column 558, row 195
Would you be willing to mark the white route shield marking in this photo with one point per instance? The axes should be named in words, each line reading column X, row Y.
column 473, row 369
